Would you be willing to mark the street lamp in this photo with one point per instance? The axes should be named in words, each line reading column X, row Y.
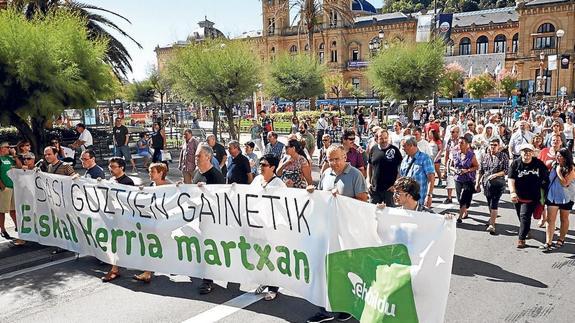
column 539, row 81
column 559, row 33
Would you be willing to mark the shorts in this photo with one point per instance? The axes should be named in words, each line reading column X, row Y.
column 450, row 181
column 566, row 206
column 123, row 151
column 465, row 192
column 493, row 195
column 7, row 200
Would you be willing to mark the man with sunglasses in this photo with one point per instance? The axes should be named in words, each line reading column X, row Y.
column 353, row 156
column 94, row 171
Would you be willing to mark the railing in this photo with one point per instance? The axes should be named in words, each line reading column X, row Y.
column 547, row 51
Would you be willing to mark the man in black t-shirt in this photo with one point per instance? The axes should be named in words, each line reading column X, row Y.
column 117, row 167
column 121, row 140
column 383, row 169
column 206, row 174
column 239, row 169
column 219, row 152
column 94, row 171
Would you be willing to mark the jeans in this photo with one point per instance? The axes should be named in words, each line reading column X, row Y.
column 524, row 213
column 319, row 138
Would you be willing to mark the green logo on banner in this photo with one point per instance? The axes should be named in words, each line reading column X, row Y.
column 373, row 284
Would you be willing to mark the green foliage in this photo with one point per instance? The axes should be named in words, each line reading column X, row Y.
column 139, row 91
column 407, row 71
column 451, row 82
column 409, row 6
column 218, row 72
column 479, row 86
column 294, row 77
column 48, row 64
column 160, row 82
column 506, row 82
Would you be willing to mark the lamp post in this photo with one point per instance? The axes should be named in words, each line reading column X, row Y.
column 559, row 33
column 374, row 48
column 539, row 82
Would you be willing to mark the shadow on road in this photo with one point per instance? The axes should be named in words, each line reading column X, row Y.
column 463, row 266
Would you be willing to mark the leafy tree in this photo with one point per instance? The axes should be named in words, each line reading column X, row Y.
column 469, row 5
column 116, row 56
column 507, row 82
column 451, row 81
column 294, row 78
column 218, row 72
column 479, row 86
column 161, row 84
column 407, row 71
column 140, row 91
column 334, row 84
column 356, row 93
column 48, row 64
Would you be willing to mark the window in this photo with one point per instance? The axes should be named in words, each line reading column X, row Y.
column 306, row 48
column 449, row 48
column 293, row 49
column 465, row 46
column 333, row 44
column 273, row 50
column 321, row 57
column 355, row 82
column 321, row 46
column 482, row 45
column 499, row 44
column 334, row 56
column 271, row 26
column 515, row 43
column 355, row 55
column 546, row 28
column 333, row 18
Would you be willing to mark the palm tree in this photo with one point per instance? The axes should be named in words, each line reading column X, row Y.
column 117, row 55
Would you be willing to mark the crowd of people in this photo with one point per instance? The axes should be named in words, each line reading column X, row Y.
column 400, row 167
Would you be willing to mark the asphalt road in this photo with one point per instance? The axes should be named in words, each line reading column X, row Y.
column 491, row 281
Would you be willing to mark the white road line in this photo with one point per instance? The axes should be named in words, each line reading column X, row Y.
column 31, row 269
column 226, row 309
column 442, row 207
column 5, row 242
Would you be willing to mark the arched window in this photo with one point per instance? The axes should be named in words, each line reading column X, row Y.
column 306, row 48
column 333, row 18
column 321, row 53
column 515, row 43
column 482, row 45
column 500, row 44
column 546, row 28
column 321, row 46
column 545, row 37
column 293, row 49
column 465, row 46
column 333, row 44
column 273, row 50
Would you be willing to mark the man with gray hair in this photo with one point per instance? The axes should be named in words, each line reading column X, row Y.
column 418, row 166
column 521, row 136
column 219, row 152
column 238, row 166
column 187, row 160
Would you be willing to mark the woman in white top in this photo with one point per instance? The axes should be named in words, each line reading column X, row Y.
column 568, row 130
column 268, row 178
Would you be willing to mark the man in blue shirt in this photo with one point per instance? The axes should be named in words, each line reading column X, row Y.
column 94, row 171
column 418, row 166
column 274, row 147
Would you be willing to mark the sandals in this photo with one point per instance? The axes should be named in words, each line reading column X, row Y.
column 270, row 296
column 111, row 275
column 143, row 277
column 546, row 248
column 5, row 235
column 559, row 243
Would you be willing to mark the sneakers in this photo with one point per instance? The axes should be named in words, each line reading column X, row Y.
column 342, row 317
column 521, row 244
column 321, row 317
column 447, row 201
column 490, row 229
column 206, row 288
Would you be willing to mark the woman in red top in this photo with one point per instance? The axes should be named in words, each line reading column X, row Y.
column 548, row 157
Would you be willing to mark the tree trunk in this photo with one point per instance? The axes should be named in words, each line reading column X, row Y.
column 410, row 108
column 28, row 133
column 231, row 125
column 294, row 108
column 216, row 117
column 338, row 106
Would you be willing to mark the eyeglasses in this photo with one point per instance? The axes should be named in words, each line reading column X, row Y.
column 398, row 193
column 351, row 139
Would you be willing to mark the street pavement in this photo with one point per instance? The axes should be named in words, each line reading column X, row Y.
column 491, row 281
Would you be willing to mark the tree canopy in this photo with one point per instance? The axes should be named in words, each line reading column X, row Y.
column 451, row 81
column 335, row 84
column 217, row 72
column 479, row 86
column 48, row 64
column 407, row 71
column 294, row 77
column 408, row 6
column 507, row 82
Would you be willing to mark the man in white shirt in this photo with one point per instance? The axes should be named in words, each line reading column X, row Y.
column 422, row 144
column 321, row 127
column 521, row 136
column 85, row 140
column 397, row 134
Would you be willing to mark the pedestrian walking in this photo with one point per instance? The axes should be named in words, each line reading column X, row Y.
column 239, row 170
column 321, row 127
column 219, row 153
column 256, row 132
column 465, row 165
column 158, row 142
column 187, row 159
column 266, row 126
column 274, row 146
column 418, row 166
column 121, row 139
column 383, row 169
column 527, row 176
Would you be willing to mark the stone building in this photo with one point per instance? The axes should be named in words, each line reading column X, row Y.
column 519, row 38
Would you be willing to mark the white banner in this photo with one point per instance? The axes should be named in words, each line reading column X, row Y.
column 552, row 62
column 385, row 265
column 423, row 28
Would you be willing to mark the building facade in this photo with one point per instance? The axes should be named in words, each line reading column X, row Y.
column 520, row 39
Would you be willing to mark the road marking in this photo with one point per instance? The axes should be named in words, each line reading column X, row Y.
column 5, row 242
column 444, row 207
column 31, row 269
column 226, row 309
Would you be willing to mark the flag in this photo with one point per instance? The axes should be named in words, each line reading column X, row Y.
column 470, row 71
column 423, row 28
column 444, row 26
column 514, row 69
column 565, row 61
column 486, row 69
column 498, row 68
column 552, row 62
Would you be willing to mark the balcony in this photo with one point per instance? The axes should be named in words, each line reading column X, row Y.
column 547, row 51
column 357, row 64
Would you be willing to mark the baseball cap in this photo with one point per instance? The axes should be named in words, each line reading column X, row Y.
column 526, row 146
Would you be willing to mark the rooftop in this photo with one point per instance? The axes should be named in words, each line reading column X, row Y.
column 485, row 17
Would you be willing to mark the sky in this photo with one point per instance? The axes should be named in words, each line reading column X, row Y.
column 164, row 22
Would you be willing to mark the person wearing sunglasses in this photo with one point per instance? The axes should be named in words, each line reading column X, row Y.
column 493, row 167
column 268, row 179
column 353, row 156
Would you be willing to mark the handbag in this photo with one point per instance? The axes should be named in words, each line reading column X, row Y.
column 166, row 155
column 496, row 183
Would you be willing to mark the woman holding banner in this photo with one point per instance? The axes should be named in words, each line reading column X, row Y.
column 268, row 178
column 158, row 173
